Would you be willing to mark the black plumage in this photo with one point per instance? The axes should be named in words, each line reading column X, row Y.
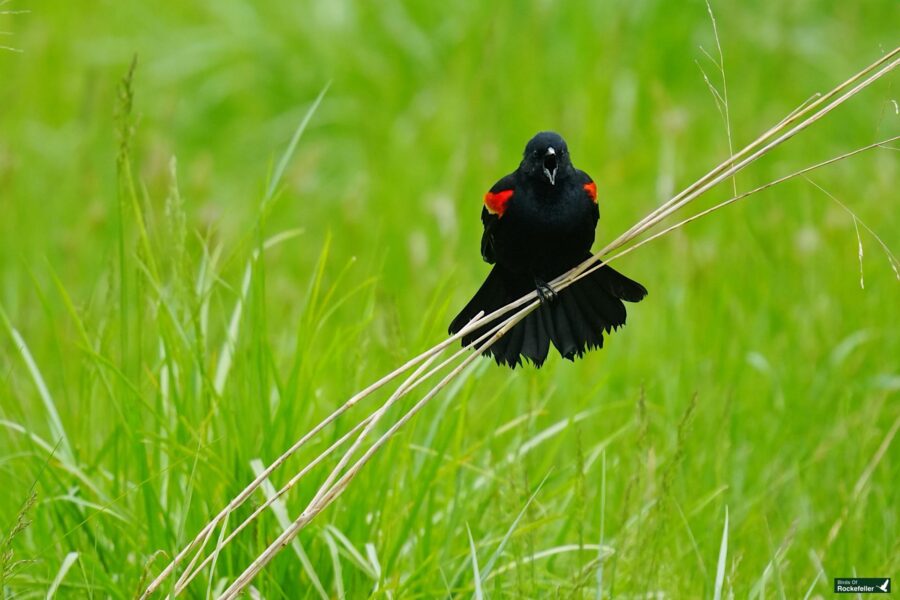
column 539, row 222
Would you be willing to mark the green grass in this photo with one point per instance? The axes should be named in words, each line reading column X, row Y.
column 757, row 377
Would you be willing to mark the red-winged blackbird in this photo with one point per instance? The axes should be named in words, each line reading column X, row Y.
column 538, row 223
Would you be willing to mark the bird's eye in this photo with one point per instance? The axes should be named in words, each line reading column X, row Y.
column 535, row 153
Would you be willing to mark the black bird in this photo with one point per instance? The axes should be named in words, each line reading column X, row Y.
column 539, row 222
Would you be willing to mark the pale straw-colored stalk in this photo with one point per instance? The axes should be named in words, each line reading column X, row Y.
column 336, row 482
column 191, row 573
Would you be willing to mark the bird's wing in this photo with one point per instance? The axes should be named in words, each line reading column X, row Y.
column 495, row 202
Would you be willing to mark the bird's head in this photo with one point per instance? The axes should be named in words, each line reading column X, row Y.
column 546, row 158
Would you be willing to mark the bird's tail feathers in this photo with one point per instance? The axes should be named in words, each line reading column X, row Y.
column 574, row 322
column 529, row 338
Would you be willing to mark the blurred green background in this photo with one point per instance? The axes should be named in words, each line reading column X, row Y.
column 757, row 376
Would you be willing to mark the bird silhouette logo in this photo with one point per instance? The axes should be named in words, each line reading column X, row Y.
column 884, row 587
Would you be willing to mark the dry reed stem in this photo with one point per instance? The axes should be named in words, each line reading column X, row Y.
column 723, row 172
column 726, row 170
column 511, row 321
column 741, row 196
column 189, row 576
column 325, row 496
column 204, row 534
column 314, row 508
column 719, row 173
column 323, row 500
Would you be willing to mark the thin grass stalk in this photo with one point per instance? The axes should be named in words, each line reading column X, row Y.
column 726, row 169
column 209, row 533
column 316, row 507
column 189, row 575
column 734, row 199
column 320, row 503
column 695, row 190
column 413, row 383
column 511, row 321
column 793, row 116
column 368, row 423
column 376, row 417
column 203, row 536
column 718, row 174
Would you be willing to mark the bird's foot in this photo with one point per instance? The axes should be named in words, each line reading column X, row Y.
column 544, row 291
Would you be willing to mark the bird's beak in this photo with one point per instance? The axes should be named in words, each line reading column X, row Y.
column 551, row 164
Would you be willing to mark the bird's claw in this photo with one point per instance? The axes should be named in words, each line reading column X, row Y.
column 544, row 291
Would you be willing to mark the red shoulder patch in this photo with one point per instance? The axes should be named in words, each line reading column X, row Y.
column 591, row 189
column 496, row 201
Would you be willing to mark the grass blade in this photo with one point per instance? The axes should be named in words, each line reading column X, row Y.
column 812, row 586
column 56, row 426
column 499, row 551
column 476, row 576
column 602, row 553
column 292, row 146
column 229, row 346
column 281, row 515
column 67, row 563
column 723, row 557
